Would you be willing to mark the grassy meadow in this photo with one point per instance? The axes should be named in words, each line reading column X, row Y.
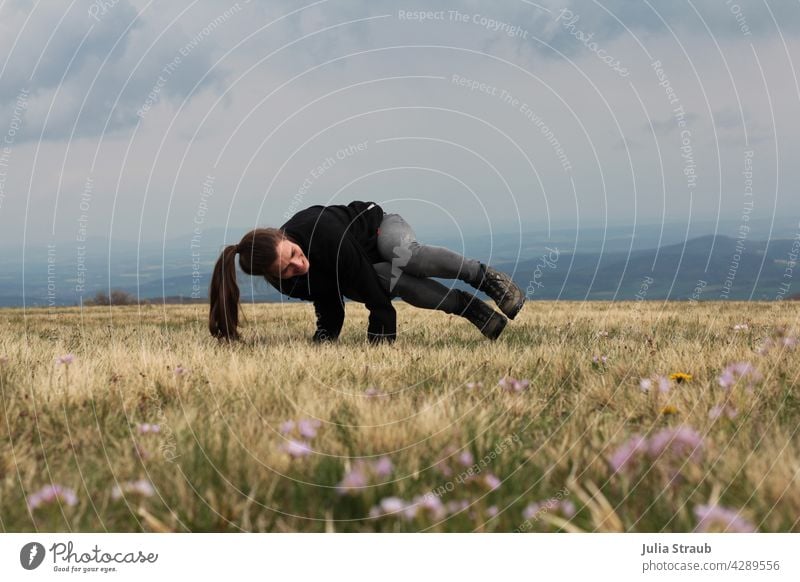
column 135, row 419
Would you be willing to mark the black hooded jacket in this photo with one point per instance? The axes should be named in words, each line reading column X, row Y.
column 341, row 245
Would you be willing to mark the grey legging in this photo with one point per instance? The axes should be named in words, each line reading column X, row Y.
column 409, row 264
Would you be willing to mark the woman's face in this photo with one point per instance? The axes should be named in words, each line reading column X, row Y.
column 291, row 260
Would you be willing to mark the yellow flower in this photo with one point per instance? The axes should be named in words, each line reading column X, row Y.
column 669, row 409
column 680, row 377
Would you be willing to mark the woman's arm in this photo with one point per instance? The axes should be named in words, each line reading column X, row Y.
column 359, row 280
column 330, row 317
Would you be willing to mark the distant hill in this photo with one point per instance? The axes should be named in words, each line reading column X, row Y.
column 702, row 268
column 707, row 267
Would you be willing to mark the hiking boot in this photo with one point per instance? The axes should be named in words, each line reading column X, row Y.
column 499, row 286
column 481, row 315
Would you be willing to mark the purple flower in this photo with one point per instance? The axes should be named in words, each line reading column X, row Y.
column 726, row 379
column 445, row 465
column 781, row 338
column 491, row 481
column 681, row 441
column 373, row 392
column 722, row 410
column 533, row 510
column 383, row 467
column 392, row 504
column 141, row 452
column 466, row 459
column 307, row 427
column 146, row 428
column 180, row 370
column 713, row 518
column 388, row 505
column 430, row 505
column 444, row 468
column 304, row 427
column 492, row 511
column 296, row 449
column 353, row 480
column 474, row 385
column 599, row 359
column 513, row 385
column 454, row 460
column 456, row 505
column 627, row 453
column 410, row 511
column 671, row 444
column 50, row 493
column 65, row 360
column 362, row 474
column 141, row 487
column 646, row 384
column 735, row 373
column 568, row 508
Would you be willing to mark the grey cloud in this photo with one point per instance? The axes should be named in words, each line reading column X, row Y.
column 623, row 18
column 34, row 34
column 728, row 118
column 122, row 79
column 723, row 18
column 729, row 122
column 546, row 24
column 667, row 125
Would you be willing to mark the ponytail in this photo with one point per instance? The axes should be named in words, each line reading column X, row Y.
column 223, row 294
column 257, row 254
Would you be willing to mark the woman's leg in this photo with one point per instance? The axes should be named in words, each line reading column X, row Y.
column 397, row 243
column 420, row 291
column 429, row 294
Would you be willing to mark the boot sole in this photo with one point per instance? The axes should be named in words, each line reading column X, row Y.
column 493, row 331
column 511, row 312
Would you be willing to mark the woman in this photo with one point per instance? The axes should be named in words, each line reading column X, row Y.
column 360, row 252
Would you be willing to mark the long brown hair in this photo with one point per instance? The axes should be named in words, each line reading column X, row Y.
column 257, row 252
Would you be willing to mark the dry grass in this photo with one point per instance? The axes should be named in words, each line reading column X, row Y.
column 218, row 462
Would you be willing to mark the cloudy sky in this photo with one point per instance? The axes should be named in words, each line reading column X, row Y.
column 141, row 120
